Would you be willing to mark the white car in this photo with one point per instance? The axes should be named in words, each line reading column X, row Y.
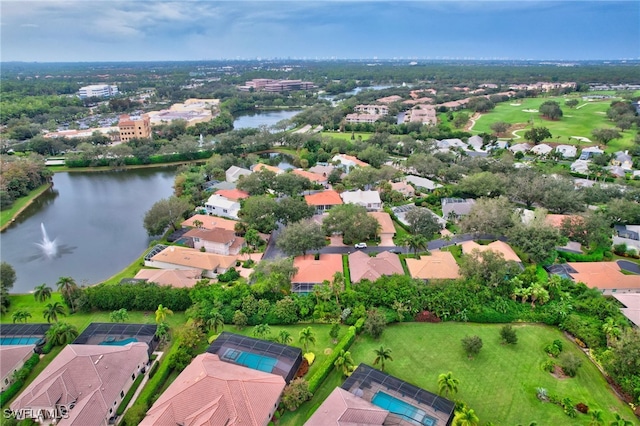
column 361, row 245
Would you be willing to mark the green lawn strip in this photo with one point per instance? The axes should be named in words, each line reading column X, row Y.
column 347, row 272
column 128, row 272
column 500, row 383
column 302, row 414
column 7, row 215
column 129, row 395
column 346, row 135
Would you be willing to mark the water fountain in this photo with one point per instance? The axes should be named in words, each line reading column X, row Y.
column 49, row 248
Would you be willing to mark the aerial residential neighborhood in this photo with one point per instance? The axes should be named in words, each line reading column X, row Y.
column 344, row 219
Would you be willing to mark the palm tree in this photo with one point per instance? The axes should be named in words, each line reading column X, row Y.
column 67, row 286
column 197, row 223
column 52, row 310
column 466, row 417
column 162, row 332
column 161, row 313
column 42, row 292
column 20, row 315
column 62, row 333
column 597, row 417
column 307, row 336
column 344, row 363
column 284, row 337
column 337, row 286
column 382, row 355
column 620, row 421
column 216, row 321
column 447, row 384
column 611, row 329
column 418, row 243
column 261, row 330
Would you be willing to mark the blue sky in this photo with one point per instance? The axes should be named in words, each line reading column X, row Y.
column 142, row 30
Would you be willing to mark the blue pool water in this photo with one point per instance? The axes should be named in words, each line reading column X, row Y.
column 403, row 409
column 254, row 361
column 119, row 342
column 18, row 340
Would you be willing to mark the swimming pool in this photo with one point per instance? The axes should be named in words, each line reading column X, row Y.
column 403, row 409
column 110, row 342
column 254, row 361
column 18, row 340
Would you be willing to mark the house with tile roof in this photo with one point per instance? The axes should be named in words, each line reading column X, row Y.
column 177, row 257
column 520, row 147
column 590, row 152
column 312, row 271
column 456, row 207
column 421, row 183
column 233, row 194
column 209, row 222
column 212, row 392
column 178, row 278
column 348, row 161
column 12, row 358
column 313, row 177
column 219, row 205
column 217, row 240
column 604, row 276
column 541, row 149
column 404, row 188
column 233, row 173
column 362, row 266
column 386, row 230
column 89, row 380
column 343, row 408
column 368, row 199
column 323, row 200
column 567, row 151
column 468, row 247
column 580, row 166
column 623, row 159
column 322, row 169
column 631, row 303
column 439, row 265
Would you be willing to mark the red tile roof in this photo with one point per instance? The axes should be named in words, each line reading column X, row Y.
column 362, row 266
column 324, row 198
column 385, row 221
column 603, row 276
column 313, row 177
column 214, row 392
column 210, row 222
column 233, row 194
column 316, row 271
column 439, row 265
column 215, row 235
column 342, row 408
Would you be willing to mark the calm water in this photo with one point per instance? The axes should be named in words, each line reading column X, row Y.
column 262, row 118
column 96, row 220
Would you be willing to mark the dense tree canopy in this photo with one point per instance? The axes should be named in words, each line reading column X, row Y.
column 165, row 213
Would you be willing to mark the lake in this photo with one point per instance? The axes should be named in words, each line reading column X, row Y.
column 95, row 220
column 255, row 119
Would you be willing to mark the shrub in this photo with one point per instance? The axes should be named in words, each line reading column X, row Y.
column 11, row 391
column 570, row 364
column 230, row 275
column 358, row 325
column 426, row 316
column 472, row 345
column 154, row 369
column 554, row 399
column 295, row 394
column 508, row 335
column 134, row 415
column 375, row 323
column 542, row 394
column 569, row 408
column 310, row 357
column 620, row 249
column 548, row 366
column 583, row 408
column 558, row 343
column 552, row 350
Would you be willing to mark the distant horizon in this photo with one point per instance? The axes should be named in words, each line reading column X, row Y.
column 49, row 31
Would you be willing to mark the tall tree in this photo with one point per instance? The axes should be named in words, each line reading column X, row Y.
column 382, row 355
column 551, row 110
column 423, row 222
column 352, row 221
column 215, row 321
column 447, row 384
column 284, row 337
column 62, row 333
column 301, row 237
column 165, row 213
column 42, row 292
column 537, row 134
column 20, row 315
column 466, row 417
column 259, row 212
column 605, row 135
column 306, row 337
column 537, row 239
column 489, row 216
column 293, row 209
column 52, row 311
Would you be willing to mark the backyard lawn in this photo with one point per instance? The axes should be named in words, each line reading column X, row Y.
column 579, row 121
column 500, row 383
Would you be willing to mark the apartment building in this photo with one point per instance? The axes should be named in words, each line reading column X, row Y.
column 271, row 85
column 98, row 91
column 134, row 127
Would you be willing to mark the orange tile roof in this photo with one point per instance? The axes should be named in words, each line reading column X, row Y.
column 173, row 277
column 261, row 166
column 385, row 221
column 213, row 392
column 362, row 266
column 92, row 376
column 603, row 276
column 210, row 222
column 324, row 198
column 184, row 256
column 555, row 220
column 342, row 408
column 316, row 271
column 313, row 177
column 354, row 159
column 440, row 265
column 232, row 194
column 497, row 246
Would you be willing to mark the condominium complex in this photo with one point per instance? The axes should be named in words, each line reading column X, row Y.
column 98, row 91
column 192, row 111
column 270, row 85
column 134, row 127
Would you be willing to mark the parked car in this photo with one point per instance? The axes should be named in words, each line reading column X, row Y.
column 361, row 245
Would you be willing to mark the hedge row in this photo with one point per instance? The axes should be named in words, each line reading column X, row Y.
column 137, row 297
column 16, row 386
column 129, row 395
column 133, row 161
column 344, row 344
column 596, row 256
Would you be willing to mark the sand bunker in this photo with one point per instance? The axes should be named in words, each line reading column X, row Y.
column 515, row 104
column 529, row 110
column 581, row 138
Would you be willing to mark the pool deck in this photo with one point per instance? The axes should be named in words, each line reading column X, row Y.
column 392, row 419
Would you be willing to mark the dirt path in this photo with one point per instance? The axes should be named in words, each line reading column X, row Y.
column 472, row 121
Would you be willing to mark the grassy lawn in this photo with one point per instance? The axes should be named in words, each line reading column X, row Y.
column 346, row 135
column 19, row 204
column 302, row 414
column 579, row 121
column 500, row 383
